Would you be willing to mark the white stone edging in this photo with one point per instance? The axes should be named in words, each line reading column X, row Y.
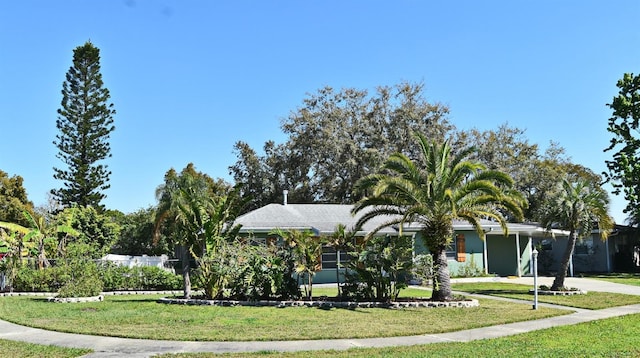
column 559, row 293
column 99, row 298
column 321, row 304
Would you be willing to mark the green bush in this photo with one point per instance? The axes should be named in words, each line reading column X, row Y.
column 122, row 278
column 115, row 277
column 380, row 269
column 50, row 279
column 155, row 278
column 423, row 268
column 111, row 276
column 84, row 279
column 267, row 273
column 85, row 286
column 471, row 269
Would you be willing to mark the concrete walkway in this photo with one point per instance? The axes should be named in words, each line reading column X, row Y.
column 117, row 347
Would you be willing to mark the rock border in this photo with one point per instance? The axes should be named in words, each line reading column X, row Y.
column 559, row 293
column 321, row 304
column 99, row 298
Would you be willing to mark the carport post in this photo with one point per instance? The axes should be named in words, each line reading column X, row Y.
column 518, row 258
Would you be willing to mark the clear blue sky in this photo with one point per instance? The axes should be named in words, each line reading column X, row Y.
column 190, row 78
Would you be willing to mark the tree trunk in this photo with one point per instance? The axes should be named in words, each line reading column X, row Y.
column 441, row 277
column 186, row 267
column 42, row 257
column 558, row 282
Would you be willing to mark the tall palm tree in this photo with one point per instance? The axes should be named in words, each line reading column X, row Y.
column 182, row 200
column 201, row 213
column 578, row 207
column 432, row 193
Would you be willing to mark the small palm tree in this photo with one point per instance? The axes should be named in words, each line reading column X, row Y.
column 340, row 240
column 307, row 251
column 434, row 192
column 578, row 207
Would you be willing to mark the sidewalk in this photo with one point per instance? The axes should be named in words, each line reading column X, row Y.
column 116, row 347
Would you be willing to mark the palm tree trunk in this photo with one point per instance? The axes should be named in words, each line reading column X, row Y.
column 558, row 282
column 442, row 277
column 186, row 267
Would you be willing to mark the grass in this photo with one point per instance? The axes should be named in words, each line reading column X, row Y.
column 592, row 300
column 27, row 350
column 141, row 317
column 623, row 278
column 612, row 337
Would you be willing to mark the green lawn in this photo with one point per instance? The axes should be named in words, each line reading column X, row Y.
column 28, row 350
column 592, row 300
column 613, row 337
column 623, row 278
column 141, row 317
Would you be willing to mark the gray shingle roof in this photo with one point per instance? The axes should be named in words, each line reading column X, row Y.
column 320, row 218
column 323, row 219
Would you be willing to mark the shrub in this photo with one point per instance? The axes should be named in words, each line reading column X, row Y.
column 84, row 279
column 122, row 278
column 423, row 268
column 380, row 269
column 49, row 279
column 85, row 286
column 267, row 273
column 471, row 269
column 155, row 278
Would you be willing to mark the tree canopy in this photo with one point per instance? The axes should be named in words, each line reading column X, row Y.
column 624, row 167
column 535, row 172
column 13, row 200
column 85, row 121
column 335, row 138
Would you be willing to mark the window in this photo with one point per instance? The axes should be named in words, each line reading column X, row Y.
column 456, row 249
column 329, row 258
column 584, row 246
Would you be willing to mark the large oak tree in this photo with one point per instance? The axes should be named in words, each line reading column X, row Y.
column 334, row 139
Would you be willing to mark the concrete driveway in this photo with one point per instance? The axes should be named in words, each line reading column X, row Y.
column 586, row 284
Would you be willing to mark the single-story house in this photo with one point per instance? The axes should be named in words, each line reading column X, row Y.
column 497, row 254
column 619, row 253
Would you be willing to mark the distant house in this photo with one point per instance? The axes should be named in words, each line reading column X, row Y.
column 161, row 262
column 497, row 254
column 619, row 253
